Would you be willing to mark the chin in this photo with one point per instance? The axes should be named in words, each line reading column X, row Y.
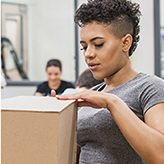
column 98, row 77
column 52, row 82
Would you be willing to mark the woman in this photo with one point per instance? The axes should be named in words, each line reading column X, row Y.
column 121, row 120
column 54, row 70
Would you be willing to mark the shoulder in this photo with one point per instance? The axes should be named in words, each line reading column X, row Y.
column 151, row 92
column 144, row 81
column 42, row 87
column 151, row 82
column 67, row 84
column 153, row 78
column 45, row 83
column 156, row 80
column 148, row 85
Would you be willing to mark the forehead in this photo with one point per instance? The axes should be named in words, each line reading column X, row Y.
column 92, row 30
column 53, row 69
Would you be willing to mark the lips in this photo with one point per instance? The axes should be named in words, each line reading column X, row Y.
column 93, row 66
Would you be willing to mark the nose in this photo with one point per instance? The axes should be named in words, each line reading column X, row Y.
column 53, row 77
column 89, row 53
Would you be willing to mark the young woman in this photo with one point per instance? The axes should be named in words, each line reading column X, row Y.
column 54, row 70
column 121, row 121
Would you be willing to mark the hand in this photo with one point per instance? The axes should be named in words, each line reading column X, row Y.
column 53, row 93
column 90, row 98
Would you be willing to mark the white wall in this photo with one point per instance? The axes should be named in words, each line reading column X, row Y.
column 143, row 57
column 16, row 1
column 162, row 12
column 82, row 64
column 51, row 35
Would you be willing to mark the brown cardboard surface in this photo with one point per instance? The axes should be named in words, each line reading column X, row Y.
column 35, row 103
column 67, row 134
column 38, row 137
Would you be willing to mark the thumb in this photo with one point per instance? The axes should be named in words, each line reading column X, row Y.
column 53, row 93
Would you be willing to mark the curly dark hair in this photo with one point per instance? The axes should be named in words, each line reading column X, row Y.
column 122, row 15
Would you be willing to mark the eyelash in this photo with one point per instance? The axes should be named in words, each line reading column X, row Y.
column 96, row 45
column 99, row 45
column 84, row 48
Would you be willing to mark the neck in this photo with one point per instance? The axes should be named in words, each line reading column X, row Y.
column 120, row 77
column 54, row 86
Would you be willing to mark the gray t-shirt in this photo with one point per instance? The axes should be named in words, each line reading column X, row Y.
column 100, row 139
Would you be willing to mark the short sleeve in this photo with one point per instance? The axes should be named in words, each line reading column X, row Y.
column 152, row 93
column 43, row 88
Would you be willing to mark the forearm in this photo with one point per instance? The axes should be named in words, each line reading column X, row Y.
column 146, row 141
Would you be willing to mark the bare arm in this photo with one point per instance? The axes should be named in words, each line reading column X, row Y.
column 147, row 139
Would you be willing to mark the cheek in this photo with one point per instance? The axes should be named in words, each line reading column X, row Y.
column 85, row 59
column 49, row 76
column 111, row 51
column 57, row 77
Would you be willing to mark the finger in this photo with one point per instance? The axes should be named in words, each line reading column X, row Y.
column 65, row 97
column 53, row 93
column 69, row 96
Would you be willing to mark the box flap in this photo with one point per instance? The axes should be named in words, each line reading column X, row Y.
column 35, row 103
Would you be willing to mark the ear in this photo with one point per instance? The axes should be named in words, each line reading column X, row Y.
column 126, row 42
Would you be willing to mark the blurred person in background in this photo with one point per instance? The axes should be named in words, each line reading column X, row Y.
column 54, row 71
column 85, row 81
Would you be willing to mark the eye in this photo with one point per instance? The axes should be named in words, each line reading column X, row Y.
column 99, row 45
column 83, row 48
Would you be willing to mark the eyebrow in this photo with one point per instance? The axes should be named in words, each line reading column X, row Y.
column 91, row 40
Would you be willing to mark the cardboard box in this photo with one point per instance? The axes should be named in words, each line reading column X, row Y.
column 38, row 130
